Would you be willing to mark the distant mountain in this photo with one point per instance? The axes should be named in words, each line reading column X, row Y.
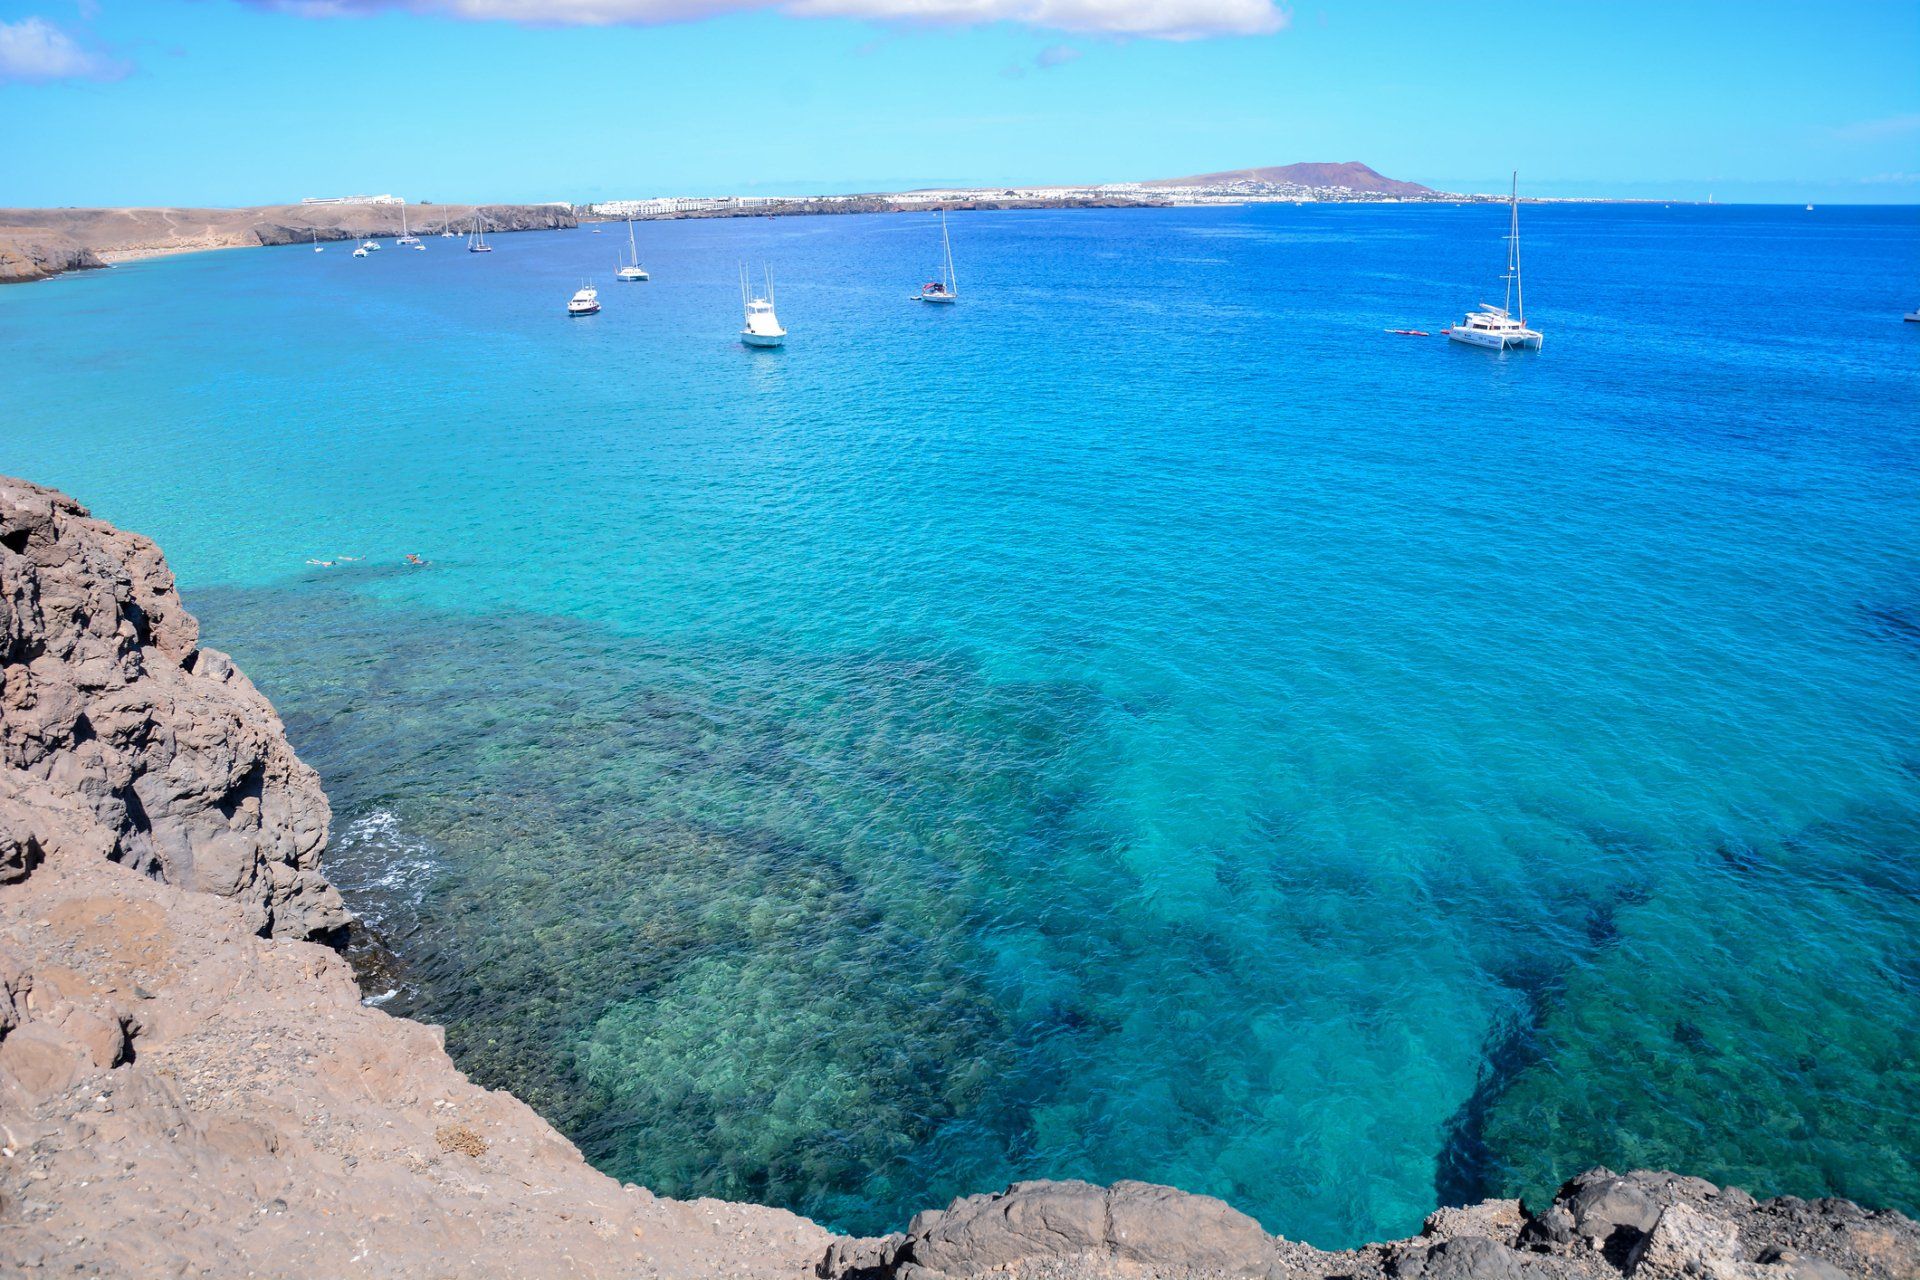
column 1352, row 175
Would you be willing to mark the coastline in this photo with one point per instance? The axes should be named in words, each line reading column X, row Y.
column 114, row 257
column 193, row 1084
column 38, row 244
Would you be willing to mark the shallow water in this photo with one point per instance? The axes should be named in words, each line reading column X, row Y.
column 1141, row 722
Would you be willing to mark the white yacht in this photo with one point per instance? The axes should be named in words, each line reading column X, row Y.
column 446, row 228
column 762, row 328
column 371, row 246
column 1499, row 328
column 406, row 236
column 361, row 252
column 944, row 289
column 630, row 268
column 584, row 302
column 477, row 238
column 1913, row 316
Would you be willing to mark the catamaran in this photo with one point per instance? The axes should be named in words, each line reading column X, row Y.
column 630, row 268
column 1501, row 327
column 584, row 302
column 762, row 328
column 477, row 238
column 944, row 289
column 406, row 236
column 446, row 227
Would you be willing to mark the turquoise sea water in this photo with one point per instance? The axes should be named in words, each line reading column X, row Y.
column 1144, row 721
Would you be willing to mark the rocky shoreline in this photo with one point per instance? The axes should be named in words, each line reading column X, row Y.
column 36, row 244
column 190, row 1084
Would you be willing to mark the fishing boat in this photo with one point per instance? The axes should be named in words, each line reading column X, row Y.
column 406, row 236
column 1499, row 328
column 630, row 268
column 477, row 238
column 944, row 289
column 584, row 302
column 762, row 328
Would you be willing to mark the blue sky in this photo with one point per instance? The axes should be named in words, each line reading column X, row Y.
column 252, row 101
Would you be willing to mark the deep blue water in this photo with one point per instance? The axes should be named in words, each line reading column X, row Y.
column 1144, row 721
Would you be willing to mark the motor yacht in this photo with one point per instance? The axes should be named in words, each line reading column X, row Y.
column 584, row 302
column 762, row 327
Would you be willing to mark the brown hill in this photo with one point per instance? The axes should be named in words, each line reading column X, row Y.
column 1351, row 174
column 36, row 243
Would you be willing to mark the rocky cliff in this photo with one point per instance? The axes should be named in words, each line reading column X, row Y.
column 37, row 243
column 190, row 1086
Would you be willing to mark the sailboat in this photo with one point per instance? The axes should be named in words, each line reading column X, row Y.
column 477, row 238
column 317, row 246
column 944, row 289
column 762, row 328
column 406, row 236
column 446, row 227
column 631, row 269
column 1501, row 327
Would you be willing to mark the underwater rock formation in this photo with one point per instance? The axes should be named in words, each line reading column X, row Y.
column 190, row 1084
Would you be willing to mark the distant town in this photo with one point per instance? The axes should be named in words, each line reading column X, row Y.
column 1345, row 183
column 1349, row 182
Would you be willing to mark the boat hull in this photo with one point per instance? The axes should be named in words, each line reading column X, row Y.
column 1497, row 341
column 632, row 277
column 582, row 311
column 936, row 297
column 752, row 339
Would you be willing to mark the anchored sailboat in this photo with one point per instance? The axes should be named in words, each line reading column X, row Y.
column 477, row 238
column 1501, row 327
column 630, row 268
column 406, row 236
column 944, row 289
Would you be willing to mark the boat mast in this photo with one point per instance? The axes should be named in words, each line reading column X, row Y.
column 1513, row 255
column 631, row 248
column 953, row 288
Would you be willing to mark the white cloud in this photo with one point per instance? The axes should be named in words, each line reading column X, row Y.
column 1879, row 130
column 33, row 49
column 1157, row 19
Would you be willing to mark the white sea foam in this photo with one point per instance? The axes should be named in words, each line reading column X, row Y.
column 381, row 870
